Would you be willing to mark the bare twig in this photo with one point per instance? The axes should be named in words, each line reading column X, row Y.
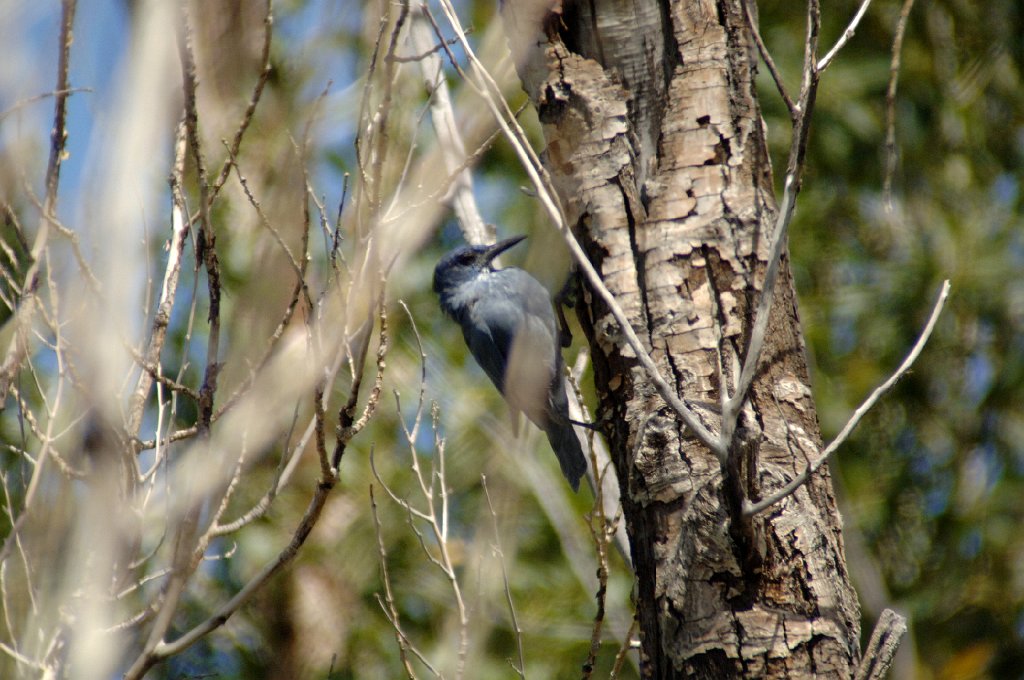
column 499, row 553
column 336, row 237
column 890, row 104
column 155, row 373
column 265, row 221
column 765, row 503
column 72, row 237
column 380, row 139
column 389, row 600
column 780, row 84
column 436, row 520
column 627, row 644
column 348, row 426
column 851, row 28
column 250, row 109
column 28, row 101
column 364, row 121
column 18, row 347
column 21, row 658
column 162, row 650
column 206, row 252
column 434, row 49
column 601, row 472
column 601, row 531
column 58, row 135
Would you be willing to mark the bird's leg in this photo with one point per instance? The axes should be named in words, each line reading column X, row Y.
column 558, row 418
column 596, row 427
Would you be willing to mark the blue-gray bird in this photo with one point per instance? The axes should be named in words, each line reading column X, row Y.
column 507, row 321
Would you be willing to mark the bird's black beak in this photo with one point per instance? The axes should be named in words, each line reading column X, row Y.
column 500, row 247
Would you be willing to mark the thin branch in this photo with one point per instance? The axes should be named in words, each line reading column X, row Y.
column 489, row 90
column 363, row 119
column 347, row 426
column 627, row 644
column 59, row 134
column 383, row 113
column 76, row 247
column 70, row 235
column 155, row 373
column 26, row 412
column 176, row 436
column 601, row 531
column 890, row 103
column 265, row 221
column 429, row 51
column 165, row 649
column 731, row 408
column 206, row 251
column 389, row 599
column 18, row 347
column 845, row 37
column 500, row 554
column 254, row 99
column 410, row 510
column 601, row 473
column 28, row 101
column 766, row 56
column 199, row 553
column 437, row 525
column 21, row 658
column 412, row 143
column 755, row 508
column 336, row 237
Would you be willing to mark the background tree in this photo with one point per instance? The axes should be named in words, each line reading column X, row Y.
column 929, row 483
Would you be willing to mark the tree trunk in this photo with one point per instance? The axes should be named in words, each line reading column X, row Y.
column 656, row 146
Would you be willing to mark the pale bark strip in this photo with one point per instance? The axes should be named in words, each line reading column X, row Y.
column 679, row 231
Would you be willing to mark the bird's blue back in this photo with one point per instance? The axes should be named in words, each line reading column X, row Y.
column 507, row 312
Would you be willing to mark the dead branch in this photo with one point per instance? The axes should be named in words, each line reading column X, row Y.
column 765, row 503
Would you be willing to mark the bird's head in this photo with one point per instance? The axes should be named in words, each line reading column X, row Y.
column 465, row 262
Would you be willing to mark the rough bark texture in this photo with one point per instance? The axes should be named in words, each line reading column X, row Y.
column 655, row 144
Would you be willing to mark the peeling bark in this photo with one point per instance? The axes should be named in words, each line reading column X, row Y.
column 656, row 147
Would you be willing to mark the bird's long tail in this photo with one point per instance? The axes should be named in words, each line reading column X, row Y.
column 566, row 446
